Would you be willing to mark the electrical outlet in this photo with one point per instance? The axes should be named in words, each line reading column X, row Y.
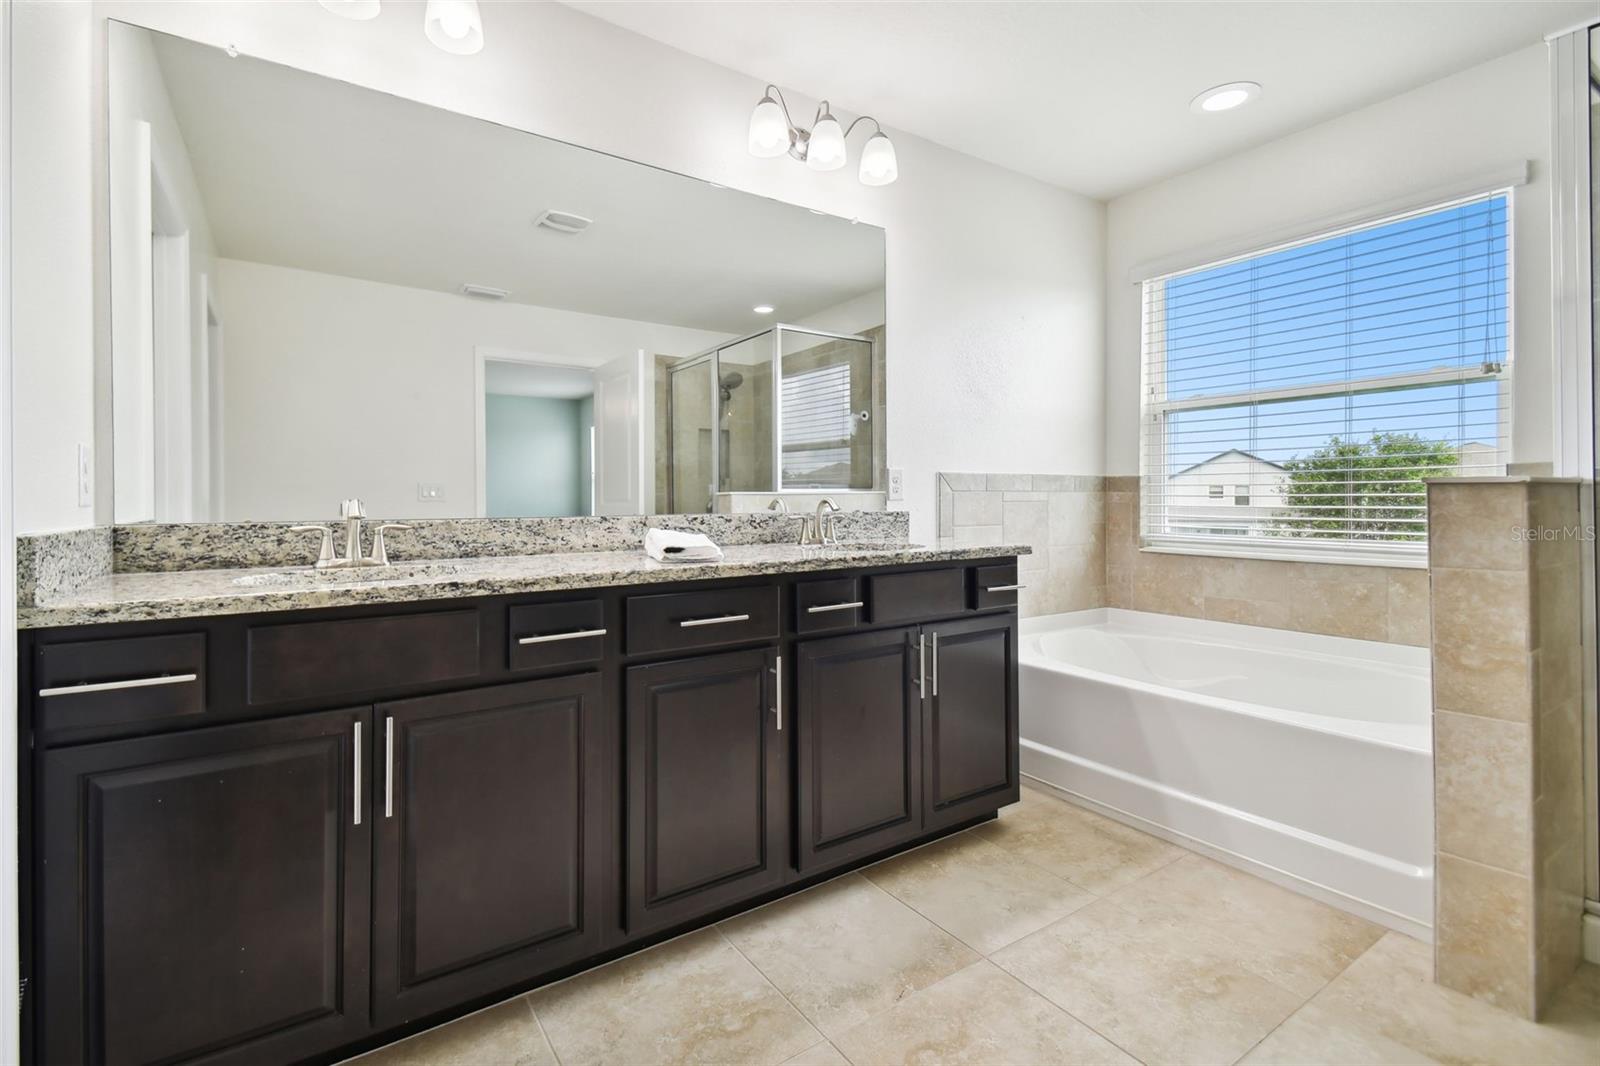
column 430, row 491
column 897, row 483
column 85, row 476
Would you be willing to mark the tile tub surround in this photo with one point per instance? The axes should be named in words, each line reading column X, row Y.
column 1050, row 935
column 1334, row 599
column 1508, row 774
column 1061, row 515
column 230, row 545
column 141, row 597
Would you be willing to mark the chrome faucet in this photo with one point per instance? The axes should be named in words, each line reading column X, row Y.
column 352, row 513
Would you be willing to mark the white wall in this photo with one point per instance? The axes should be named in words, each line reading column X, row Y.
column 1489, row 115
column 995, row 297
column 336, row 387
column 52, row 245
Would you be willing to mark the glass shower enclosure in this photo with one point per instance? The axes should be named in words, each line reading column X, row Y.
column 787, row 409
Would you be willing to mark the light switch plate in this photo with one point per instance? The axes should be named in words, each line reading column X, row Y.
column 430, row 491
column 85, row 476
column 897, row 483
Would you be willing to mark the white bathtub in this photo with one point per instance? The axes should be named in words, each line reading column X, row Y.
column 1302, row 758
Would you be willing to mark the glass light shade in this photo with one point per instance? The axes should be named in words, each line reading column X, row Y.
column 769, row 130
column 826, row 150
column 878, row 164
column 359, row 10
column 454, row 26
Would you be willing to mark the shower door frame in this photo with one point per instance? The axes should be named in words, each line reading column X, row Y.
column 777, row 329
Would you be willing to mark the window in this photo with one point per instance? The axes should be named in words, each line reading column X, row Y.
column 1323, row 381
column 817, row 424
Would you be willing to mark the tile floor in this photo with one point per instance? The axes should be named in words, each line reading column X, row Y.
column 1049, row 936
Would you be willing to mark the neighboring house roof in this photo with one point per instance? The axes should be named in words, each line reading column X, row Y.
column 1220, row 455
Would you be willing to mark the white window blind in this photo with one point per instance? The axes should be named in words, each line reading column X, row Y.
column 817, row 425
column 1322, row 381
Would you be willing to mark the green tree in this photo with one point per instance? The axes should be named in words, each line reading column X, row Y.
column 1363, row 490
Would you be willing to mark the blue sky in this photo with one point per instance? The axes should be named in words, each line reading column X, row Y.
column 1416, row 294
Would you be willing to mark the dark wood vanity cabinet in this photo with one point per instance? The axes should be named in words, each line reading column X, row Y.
column 227, row 871
column 489, row 815
column 204, row 894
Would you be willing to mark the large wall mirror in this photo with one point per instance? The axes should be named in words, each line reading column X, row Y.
column 321, row 291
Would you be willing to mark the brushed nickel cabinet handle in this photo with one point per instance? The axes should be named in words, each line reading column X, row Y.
column 1004, row 588
column 717, row 621
column 357, row 784
column 388, row 767
column 112, row 686
column 936, row 664
column 576, row 634
column 777, row 681
column 922, row 668
column 826, row 607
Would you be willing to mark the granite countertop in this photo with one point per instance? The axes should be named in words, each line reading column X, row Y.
column 140, row 597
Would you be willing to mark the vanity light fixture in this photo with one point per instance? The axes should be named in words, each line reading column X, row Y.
column 822, row 147
column 454, row 26
column 1225, row 97
column 357, row 10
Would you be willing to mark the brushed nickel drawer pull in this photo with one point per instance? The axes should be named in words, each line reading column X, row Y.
column 922, row 667
column 936, row 664
column 356, row 784
column 826, row 607
column 717, row 621
column 576, row 634
column 111, row 686
column 1004, row 588
column 777, row 684
column 388, row 767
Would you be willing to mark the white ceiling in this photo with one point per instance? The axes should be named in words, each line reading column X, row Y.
column 501, row 378
column 1094, row 96
column 303, row 171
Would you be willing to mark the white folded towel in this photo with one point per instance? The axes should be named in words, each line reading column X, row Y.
column 671, row 546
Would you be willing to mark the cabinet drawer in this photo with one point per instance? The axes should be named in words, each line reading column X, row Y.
column 919, row 594
column 821, row 606
column 675, row 621
column 89, row 684
column 994, row 586
column 556, row 634
column 306, row 660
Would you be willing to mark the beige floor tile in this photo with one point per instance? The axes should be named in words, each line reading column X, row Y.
column 978, row 1015
column 986, row 896
column 845, row 950
column 1164, row 993
column 823, row 1054
column 1290, row 940
column 1315, row 1037
column 1092, row 852
column 694, row 999
column 1389, row 991
column 506, row 1035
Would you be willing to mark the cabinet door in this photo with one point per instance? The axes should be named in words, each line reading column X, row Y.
column 970, row 719
column 858, row 722
column 490, row 814
column 707, row 790
column 205, row 893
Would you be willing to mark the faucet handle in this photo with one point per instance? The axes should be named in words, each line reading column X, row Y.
column 325, row 552
column 380, row 551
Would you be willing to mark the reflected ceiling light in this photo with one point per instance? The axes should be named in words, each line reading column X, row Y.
column 359, row 10
column 1225, row 97
column 822, row 147
column 763, row 309
column 454, row 26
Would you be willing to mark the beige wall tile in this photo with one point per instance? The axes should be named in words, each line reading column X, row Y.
column 1492, row 682
column 1556, row 606
column 1483, row 796
column 1076, row 517
column 1169, row 584
column 1341, row 601
column 1011, row 482
column 1559, row 919
column 978, row 508
column 1247, row 612
column 1123, row 483
column 979, row 534
column 1262, row 580
column 1473, row 525
column 1026, row 522
column 966, row 482
column 1408, row 607
column 1483, row 933
column 1119, row 585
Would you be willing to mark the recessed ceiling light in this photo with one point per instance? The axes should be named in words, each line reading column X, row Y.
column 1225, row 97
column 762, row 309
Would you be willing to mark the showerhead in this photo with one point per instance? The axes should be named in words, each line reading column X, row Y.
column 730, row 381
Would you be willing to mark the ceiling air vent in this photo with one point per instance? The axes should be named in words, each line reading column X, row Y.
column 487, row 292
column 563, row 221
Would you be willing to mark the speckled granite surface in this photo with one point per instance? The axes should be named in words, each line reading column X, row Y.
column 199, row 593
column 210, row 546
column 50, row 564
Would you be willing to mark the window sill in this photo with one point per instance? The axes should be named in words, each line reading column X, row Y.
column 1394, row 559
